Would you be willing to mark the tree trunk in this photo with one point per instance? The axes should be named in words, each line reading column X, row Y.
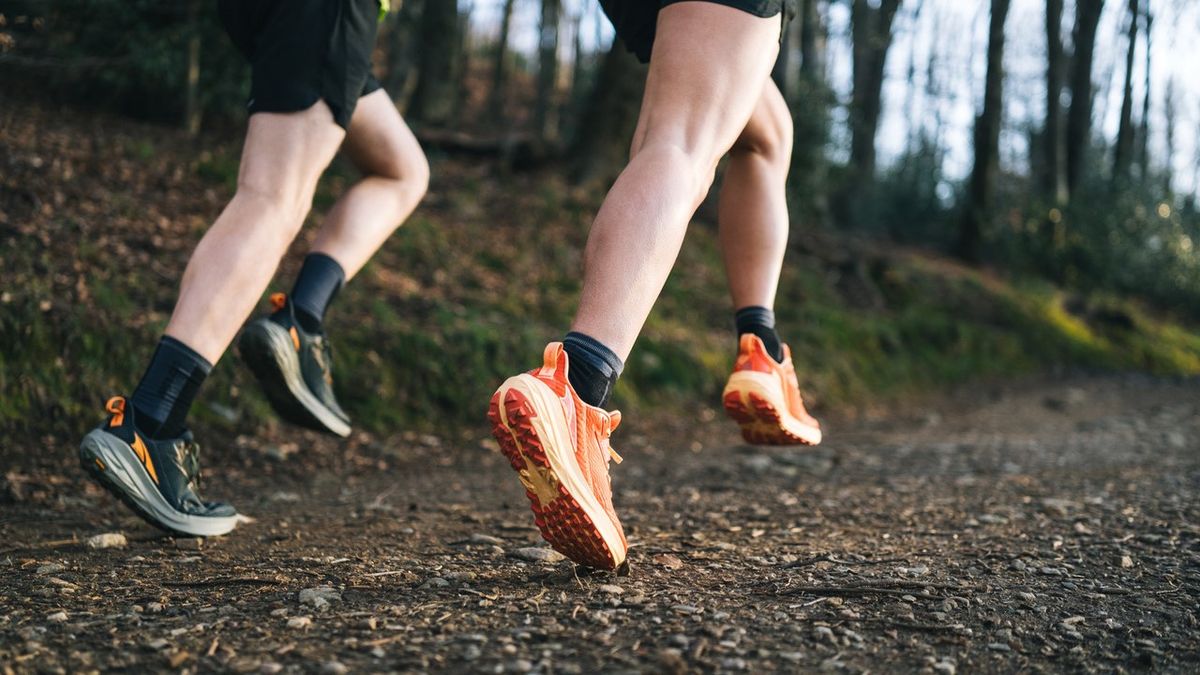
column 871, row 29
column 810, row 104
column 601, row 146
column 544, row 118
column 1169, row 112
column 1123, row 156
column 1143, row 140
column 403, row 30
column 499, row 94
column 987, row 140
column 433, row 100
column 1079, row 116
column 191, row 109
column 1053, row 180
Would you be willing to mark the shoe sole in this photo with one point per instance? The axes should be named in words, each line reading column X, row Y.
column 113, row 464
column 755, row 403
column 531, row 428
column 268, row 351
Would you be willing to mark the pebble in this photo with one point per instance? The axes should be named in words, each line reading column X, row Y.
column 270, row 668
column 319, row 596
column 486, row 539
column 472, row 653
column 999, row 647
column 57, row 617
column 537, row 554
column 51, row 568
column 157, row 644
column 299, row 622
column 1051, row 571
column 189, row 544
column 154, row 607
column 435, row 582
column 945, row 667
column 334, row 668
column 1126, row 562
column 794, row 657
column 520, row 666
column 668, row 561
column 611, row 589
column 107, row 540
column 685, row 609
column 824, row 633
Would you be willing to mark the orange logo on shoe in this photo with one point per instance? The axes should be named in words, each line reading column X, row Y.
column 139, row 449
column 116, row 406
column 295, row 337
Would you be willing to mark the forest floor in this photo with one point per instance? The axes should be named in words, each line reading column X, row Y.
column 1040, row 525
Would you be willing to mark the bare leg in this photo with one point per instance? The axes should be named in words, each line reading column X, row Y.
column 753, row 213
column 282, row 159
column 707, row 74
column 395, row 177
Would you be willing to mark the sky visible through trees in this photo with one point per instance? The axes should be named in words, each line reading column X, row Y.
column 954, row 34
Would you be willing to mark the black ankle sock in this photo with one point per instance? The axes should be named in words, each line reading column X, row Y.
column 165, row 394
column 761, row 322
column 319, row 281
column 593, row 369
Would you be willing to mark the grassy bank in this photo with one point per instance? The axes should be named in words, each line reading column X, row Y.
column 97, row 218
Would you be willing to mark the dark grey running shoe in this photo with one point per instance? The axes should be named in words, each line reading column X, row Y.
column 295, row 369
column 158, row 479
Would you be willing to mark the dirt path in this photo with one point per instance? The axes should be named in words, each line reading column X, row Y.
column 1034, row 526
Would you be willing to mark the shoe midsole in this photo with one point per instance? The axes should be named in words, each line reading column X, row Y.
column 123, row 471
column 766, row 386
column 279, row 344
column 550, row 423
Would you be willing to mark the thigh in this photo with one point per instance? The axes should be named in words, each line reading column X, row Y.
column 707, row 73
column 285, row 153
column 379, row 142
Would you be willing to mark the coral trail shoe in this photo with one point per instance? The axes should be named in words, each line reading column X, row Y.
column 558, row 445
column 158, row 479
column 763, row 397
column 295, row 369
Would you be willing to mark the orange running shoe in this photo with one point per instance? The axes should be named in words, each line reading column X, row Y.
column 558, row 445
column 763, row 397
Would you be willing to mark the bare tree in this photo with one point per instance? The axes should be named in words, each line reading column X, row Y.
column 1143, row 139
column 498, row 96
column 1053, row 180
column 987, row 140
column 433, row 100
column 601, row 144
column 191, row 108
column 544, row 119
column 871, row 33
column 1123, row 155
column 1079, row 116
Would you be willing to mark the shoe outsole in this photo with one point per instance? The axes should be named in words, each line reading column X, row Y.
column 562, row 522
column 112, row 468
column 761, row 423
column 267, row 350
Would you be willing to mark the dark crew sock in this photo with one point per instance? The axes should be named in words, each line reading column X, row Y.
column 319, row 281
column 593, row 369
column 165, row 394
column 760, row 321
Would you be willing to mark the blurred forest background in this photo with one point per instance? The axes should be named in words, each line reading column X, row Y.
column 977, row 188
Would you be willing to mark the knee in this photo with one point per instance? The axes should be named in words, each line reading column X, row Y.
column 408, row 173
column 282, row 207
column 769, row 137
column 692, row 162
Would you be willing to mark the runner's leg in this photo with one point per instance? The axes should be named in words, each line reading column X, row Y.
column 395, row 177
column 283, row 156
column 707, row 72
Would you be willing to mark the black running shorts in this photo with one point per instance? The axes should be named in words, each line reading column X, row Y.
column 302, row 51
column 635, row 20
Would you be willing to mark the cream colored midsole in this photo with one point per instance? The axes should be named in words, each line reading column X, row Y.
column 767, row 386
column 550, row 423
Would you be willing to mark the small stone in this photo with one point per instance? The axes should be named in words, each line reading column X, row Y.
column 678, row 640
column 945, row 667
column 157, row 644
column 319, row 596
column 472, row 653
column 299, row 622
column 435, row 582
column 1027, row 596
column 668, row 561
column 486, row 539
column 51, row 568
column 1126, row 562
column 793, row 657
column 992, row 519
column 520, row 666
column 154, row 607
column 280, row 612
column 611, row 589
column 370, row 623
column 107, row 540
column 270, row 668
column 685, row 609
column 189, row 544
column 824, row 634
column 57, row 617
column 999, row 647
column 1051, row 571
column 334, row 668
column 537, row 554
